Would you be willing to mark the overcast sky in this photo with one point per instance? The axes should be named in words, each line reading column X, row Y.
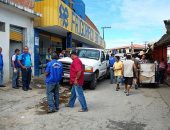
column 134, row 21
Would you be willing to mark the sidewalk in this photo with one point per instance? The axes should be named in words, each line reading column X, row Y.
column 164, row 91
column 168, row 82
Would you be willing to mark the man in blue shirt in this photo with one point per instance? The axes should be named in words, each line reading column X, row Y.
column 53, row 72
column 111, row 63
column 1, row 68
column 24, row 61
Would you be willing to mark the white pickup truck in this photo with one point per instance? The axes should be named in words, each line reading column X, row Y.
column 95, row 63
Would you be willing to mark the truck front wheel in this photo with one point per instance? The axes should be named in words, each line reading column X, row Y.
column 93, row 83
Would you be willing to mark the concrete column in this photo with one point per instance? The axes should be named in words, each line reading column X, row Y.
column 4, row 43
column 36, row 52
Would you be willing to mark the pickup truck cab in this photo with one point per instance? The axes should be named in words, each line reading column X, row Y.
column 94, row 61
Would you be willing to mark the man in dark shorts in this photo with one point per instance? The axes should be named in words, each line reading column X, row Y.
column 136, row 73
column 128, row 73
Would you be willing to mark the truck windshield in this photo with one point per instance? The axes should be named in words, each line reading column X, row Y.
column 90, row 54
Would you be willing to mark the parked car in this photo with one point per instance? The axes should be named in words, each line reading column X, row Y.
column 95, row 63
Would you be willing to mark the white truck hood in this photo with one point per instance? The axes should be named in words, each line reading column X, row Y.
column 85, row 61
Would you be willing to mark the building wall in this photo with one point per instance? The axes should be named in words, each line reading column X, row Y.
column 57, row 13
column 159, row 53
column 91, row 24
column 11, row 18
column 78, row 7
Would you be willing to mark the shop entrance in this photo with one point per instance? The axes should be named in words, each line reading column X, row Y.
column 16, row 42
column 46, row 42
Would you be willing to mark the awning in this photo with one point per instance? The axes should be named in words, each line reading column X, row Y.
column 164, row 41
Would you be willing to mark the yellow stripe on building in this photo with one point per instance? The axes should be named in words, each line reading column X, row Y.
column 57, row 13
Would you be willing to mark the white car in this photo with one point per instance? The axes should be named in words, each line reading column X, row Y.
column 94, row 61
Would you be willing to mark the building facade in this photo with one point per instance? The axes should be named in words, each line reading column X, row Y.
column 63, row 26
column 133, row 48
column 16, row 30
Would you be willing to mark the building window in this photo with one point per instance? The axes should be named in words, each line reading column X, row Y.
column 2, row 26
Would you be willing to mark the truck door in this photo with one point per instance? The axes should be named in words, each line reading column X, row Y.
column 103, row 66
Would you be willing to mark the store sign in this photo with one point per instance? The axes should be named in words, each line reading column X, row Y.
column 72, row 22
column 64, row 15
column 57, row 13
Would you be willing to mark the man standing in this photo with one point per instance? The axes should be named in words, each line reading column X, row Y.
column 77, row 80
column 24, row 61
column 128, row 69
column 62, row 54
column 53, row 72
column 162, row 69
column 136, row 73
column 16, row 69
column 1, row 68
column 111, row 63
column 48, row 56
column 118, row 72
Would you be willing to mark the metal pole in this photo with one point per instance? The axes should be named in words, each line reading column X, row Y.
column 103, row 33
column 103, row 28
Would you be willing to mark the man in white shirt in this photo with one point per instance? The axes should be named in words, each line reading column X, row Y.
column 128, row 73
column 16, row 69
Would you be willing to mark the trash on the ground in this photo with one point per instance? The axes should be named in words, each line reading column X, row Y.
column 38, row 82
column 64, row 97
column 22, row 117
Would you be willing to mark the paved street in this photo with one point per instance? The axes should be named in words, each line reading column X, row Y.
column 146, row 109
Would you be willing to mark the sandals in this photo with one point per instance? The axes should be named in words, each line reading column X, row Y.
column 81, row 110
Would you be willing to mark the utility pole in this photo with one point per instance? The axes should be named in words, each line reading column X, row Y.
column 132, row 48
column 103, row 28
column 145, row 45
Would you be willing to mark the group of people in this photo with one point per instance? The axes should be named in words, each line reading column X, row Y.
column 20, row 62
column 127, row 71
column 122, row 72
column 54, row 72
column 61, row 55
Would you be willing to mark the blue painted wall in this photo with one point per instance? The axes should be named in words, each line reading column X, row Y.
column 78, row 7
column 66, row 2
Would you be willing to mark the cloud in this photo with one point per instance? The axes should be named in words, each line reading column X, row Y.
column 146, row 14
column 131, row 20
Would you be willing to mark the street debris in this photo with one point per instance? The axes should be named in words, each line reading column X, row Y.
column 38, row 82
column 43, row 104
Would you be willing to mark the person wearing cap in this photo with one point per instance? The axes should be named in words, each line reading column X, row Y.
column 77, row 81
column 53, row 72
column 16, row 69
column 128, row 73
column 1, row 68
column 143, row 59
